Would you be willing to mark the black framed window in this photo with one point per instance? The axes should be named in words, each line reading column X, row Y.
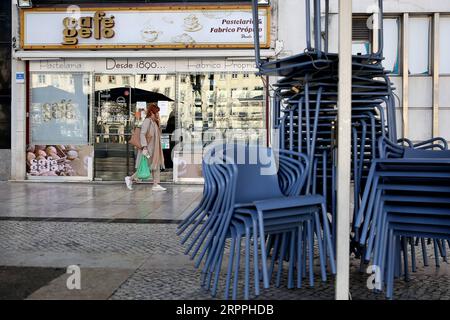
column 5, row 75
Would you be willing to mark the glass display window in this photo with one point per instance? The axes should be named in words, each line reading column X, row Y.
column 59, row 108
column 216, row 106
column 59, row 126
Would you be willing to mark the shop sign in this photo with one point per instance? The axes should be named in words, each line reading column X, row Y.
column 143, row 66
column 99, row 26
column 152, row 27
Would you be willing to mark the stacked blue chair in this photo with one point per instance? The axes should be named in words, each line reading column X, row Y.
column 406, row 201
column 259, row 196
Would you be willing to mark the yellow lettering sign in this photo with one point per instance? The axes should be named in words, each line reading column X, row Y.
column 99, row 26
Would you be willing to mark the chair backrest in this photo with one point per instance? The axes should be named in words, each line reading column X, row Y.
column 257, row 172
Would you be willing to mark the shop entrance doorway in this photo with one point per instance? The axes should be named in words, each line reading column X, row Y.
column 112, row 117
column 119, row 105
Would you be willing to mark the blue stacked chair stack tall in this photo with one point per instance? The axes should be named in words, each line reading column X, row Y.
column 401, row 194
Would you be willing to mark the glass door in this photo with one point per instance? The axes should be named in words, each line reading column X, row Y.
column 113, row 119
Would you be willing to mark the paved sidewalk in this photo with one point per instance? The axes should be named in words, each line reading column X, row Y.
column 96, row 201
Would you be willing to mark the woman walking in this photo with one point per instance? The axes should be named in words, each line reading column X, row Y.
column 150, row 139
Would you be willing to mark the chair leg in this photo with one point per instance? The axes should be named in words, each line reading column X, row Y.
column 310, row 253
column 305, row 250
column 217, row 271
column 263, row 250
column 230, row 267
column 320, row 243
column 390, row 263
column 405, row 258
column 413, row 255
column 274, row 255
column 299, row 256
column 444, row 250
column 291, row 261
column 328, row 238
column 236, row 267
column 247, row 264
column 280, row 260
column 424, row 252
column 436, row 254
column 255, row 257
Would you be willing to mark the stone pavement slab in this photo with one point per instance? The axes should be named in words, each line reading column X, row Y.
column 96, row 284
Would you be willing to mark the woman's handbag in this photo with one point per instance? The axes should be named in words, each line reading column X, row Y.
column 143, row 171
column 135, row 139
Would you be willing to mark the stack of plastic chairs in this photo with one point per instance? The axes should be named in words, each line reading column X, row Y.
column 406, row 200
column 257, row 194
column 305, row 108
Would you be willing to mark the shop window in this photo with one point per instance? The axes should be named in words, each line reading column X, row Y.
column 156, row 77
column 59, row 115
column 419, row 45
column 112, row 79
column 208, row 113
column 143, row 78
column 41, row 79
column 391, row 47
column 444, row 45
column 58, row 134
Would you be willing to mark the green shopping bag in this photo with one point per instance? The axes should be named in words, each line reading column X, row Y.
column 143, row 171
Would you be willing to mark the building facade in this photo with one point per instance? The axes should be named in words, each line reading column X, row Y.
column 84, row 70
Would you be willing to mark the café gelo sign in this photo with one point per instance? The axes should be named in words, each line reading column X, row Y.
column 167, row 27
column 99, row 26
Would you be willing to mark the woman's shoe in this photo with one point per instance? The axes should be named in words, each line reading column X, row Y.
column 129, row 183
column 157, row 187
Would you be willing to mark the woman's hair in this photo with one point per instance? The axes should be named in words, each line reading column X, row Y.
column 153, row 109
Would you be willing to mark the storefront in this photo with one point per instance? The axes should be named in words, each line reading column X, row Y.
column 82, row 105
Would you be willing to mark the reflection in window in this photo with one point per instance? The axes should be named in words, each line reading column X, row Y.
column 236, row 111
column 112, row 79
column 59, row 115
column 444, row 45
column 419, row 45
column 391, row 47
